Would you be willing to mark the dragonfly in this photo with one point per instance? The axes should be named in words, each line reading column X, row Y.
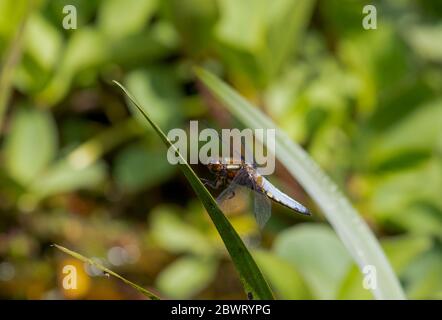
column 235, row 173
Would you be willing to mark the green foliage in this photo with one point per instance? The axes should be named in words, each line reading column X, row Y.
column 79, row 168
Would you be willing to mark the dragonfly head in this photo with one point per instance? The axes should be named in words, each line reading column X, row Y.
column 215, row 165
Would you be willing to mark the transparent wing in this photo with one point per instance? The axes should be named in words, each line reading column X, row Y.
column 233, row 199
column 262, row 208
column 236, row 198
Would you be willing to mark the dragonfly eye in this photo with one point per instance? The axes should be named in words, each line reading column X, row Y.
column 214, row 167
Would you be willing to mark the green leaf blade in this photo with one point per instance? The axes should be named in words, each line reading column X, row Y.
column 249, row 273
column 106, row 270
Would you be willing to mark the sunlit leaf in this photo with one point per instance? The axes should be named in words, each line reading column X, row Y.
column 284, row 278
column 30, row 144
column 186, row 277
column 318, row 255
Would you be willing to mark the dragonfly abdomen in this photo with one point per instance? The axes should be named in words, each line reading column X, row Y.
column 280, row 197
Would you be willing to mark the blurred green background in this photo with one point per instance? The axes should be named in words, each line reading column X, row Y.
column 78, row 170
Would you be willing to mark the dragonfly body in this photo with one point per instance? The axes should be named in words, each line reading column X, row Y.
column 229, row 170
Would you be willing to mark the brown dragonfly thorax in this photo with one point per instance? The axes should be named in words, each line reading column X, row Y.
column 226, row 169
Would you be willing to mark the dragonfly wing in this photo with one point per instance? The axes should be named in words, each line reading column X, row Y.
column 262, row 209
column 232, row 199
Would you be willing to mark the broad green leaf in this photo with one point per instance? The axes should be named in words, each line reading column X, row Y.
column 43, row 41
column 131, row 172
column 118, row 18
column 42, row 47
column 317, row 253
column 423, row 277
column 194, row 21
column 235, row 15
column 423, row 218
column 285, row 280
column 83, row 167
column 249, row 273
column 13, row 12
column 369, row 62
column 401, row 251
column 267, row 38
column 158, row 42
column 67, row 176
column 350, row 227
column 401, row 136
column 287, row 22
column 427, row 41
column 158, row 90
column 173, row 234
column 94, row 263
column 394, row 193
column 186, row 277
column 86, row 49
column 30, row 144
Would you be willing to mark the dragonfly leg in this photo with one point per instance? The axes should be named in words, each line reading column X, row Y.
column 232, row 194
column 211, row 184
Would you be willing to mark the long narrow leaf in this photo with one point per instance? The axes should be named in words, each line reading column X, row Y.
column 350, row 227
column 106, row 270
column 250, row 275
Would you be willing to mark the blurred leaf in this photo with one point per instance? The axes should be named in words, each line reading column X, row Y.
column 82, row 167
column 352, row 286
column 43, row 41
column 30, row 145
column 235, row 16
column 423, row 218
column 177, row 236
column 267, row 37
column 66, row 176
column 42, row 48
column 351, row 228
column 86, row 49
column 394, row 193
column 401, row 251
column 319, row 256
column 158, row 42
column 249, row 273
column 118, row 19
column 342, row 17
column 427, row 41
column 423, row 277
column 86, row 11
column 194, row 21
column 12, row 46
column 285, row 280
column 185, row 277
column 401, row 137
column 288, row 19
column 158, row 90
column 368, row 55
column 13, row 12
column 132, row 173
column 94, row 263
